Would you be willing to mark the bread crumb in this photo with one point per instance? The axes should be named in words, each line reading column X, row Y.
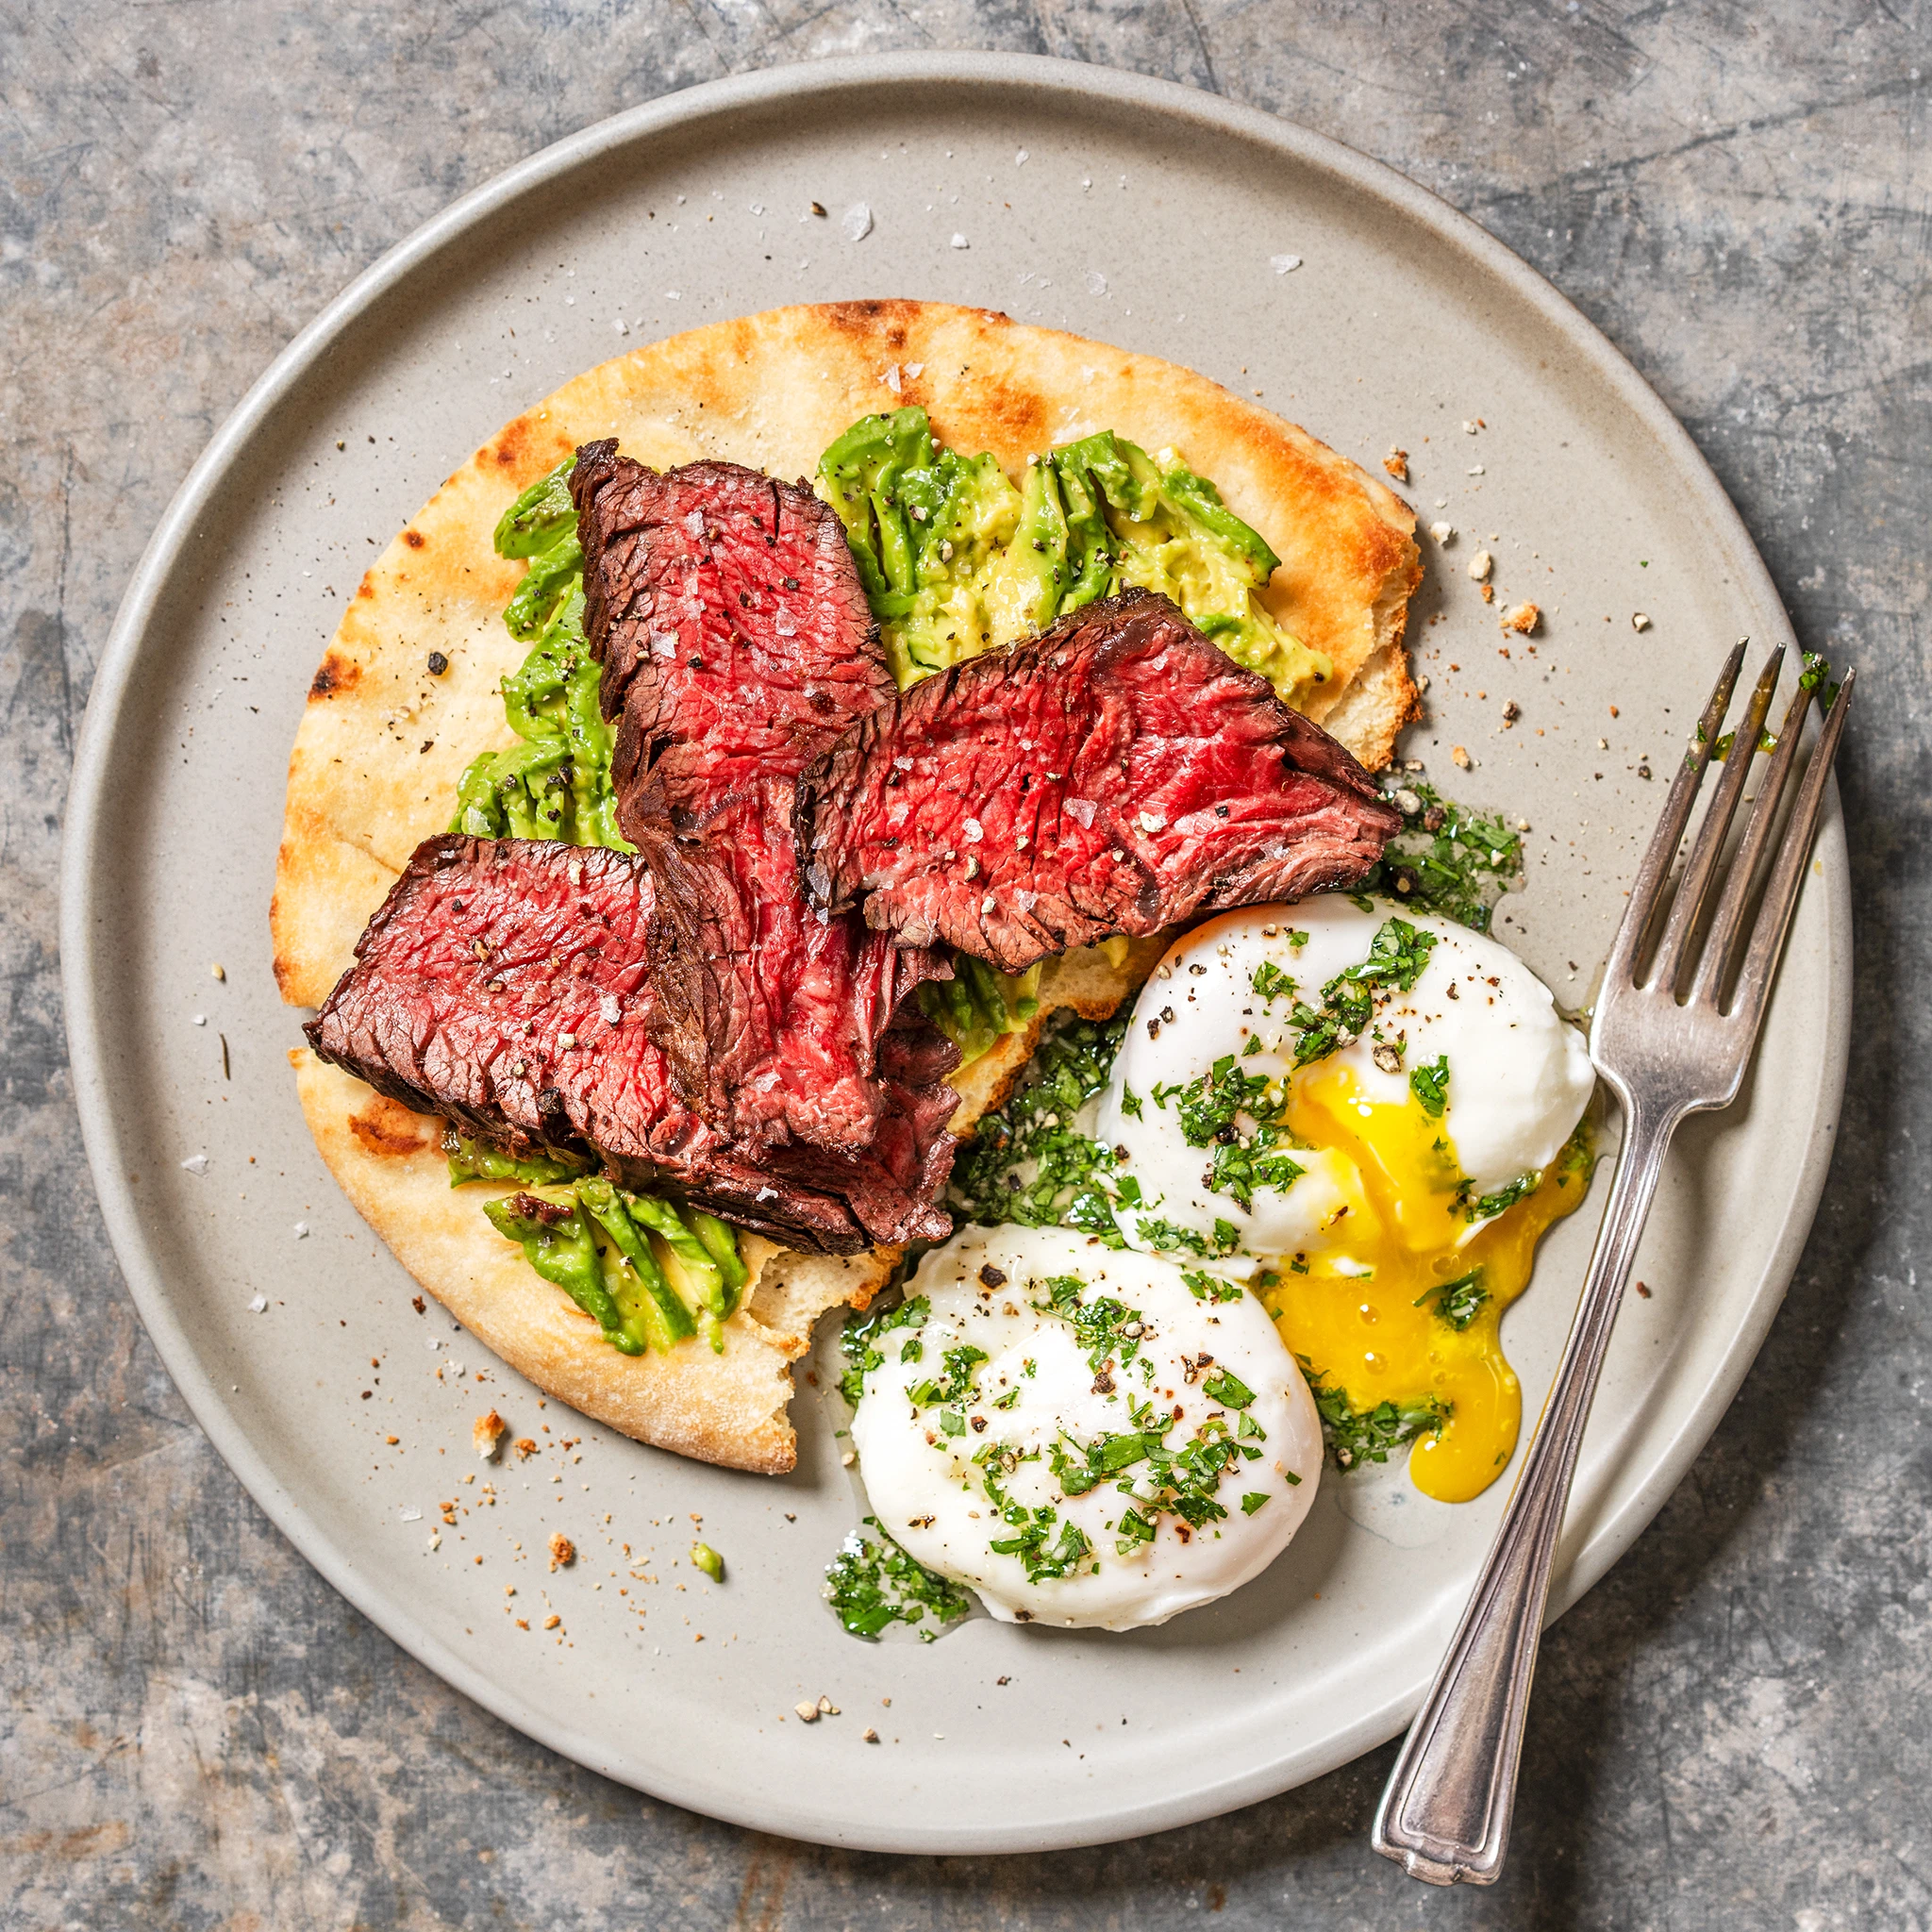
column 1638, row 621
column 487, row 1432
column 1397, row 464
column 868, row 1735
column 827, row 1708
column 562, row 1551
column 552, row 1621
column 1480, row 565
column 1460, row 759
column 1488, row 593
column 1524, row 618
column 1442, row 533
column 807, row 1710
column 525, row 1447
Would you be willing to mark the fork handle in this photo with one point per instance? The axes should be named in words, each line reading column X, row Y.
column 1445, row 1815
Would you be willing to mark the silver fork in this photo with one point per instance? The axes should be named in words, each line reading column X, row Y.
column 1665, row 1049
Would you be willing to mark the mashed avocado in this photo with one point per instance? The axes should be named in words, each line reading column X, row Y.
column 555, row 783
column 956, row 559
column 648, row 1272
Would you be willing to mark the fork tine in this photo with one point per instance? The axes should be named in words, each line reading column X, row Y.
column 1647, row 888
column 1788, row 870
column 1702, row 866
column 1708, row 989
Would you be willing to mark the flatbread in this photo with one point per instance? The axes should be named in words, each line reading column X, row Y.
column 383, row 740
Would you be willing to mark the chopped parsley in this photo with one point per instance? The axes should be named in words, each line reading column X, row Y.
column 1270, row 981
column 872, row 1582
column 1208, row 1109
column 1253, row 1501
column 1456, row 1302
column 1107, row 1456
column 1397, row 955
column 1106, row 1327
column 1355, row 1436
column 1211, row 1288
column 1237, row 1170
column 1227, row 1389
column 1816, row 677
column 1168, row 1239
column 1027, row 1163
column 1447, row 858
column 862, row 1337
column 1032, row 1528
column 1430, row 1086
column 958, row 1383
column 1486, row 1207
column 1207, row 1106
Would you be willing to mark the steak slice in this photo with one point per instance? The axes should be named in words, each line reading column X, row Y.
column 773, row 1015
column 730, row 621
column 503, row 985
column 1114, row 776
column 737, row 644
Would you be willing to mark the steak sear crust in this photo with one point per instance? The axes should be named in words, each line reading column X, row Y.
column 1117, row 775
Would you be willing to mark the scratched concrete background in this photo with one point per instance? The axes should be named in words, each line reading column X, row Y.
column 1728, row 1733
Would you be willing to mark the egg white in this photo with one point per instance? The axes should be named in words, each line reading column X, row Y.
column 1518, row 1078
column 986, row 1288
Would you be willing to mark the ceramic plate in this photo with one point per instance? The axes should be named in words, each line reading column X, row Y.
column 1126, row 209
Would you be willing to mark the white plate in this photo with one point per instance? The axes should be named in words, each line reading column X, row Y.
column 1133, row 211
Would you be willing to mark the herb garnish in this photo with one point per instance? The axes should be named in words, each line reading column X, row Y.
column 1430, row 1086
column 1486, row 1207
column 1208, row 1109
column 860, row 1338
column 1211, row 1288
column 1447, row 858
column 1456, row 1302
column 1356, row 1436
column 1206, row 1106
column 1167, row 1237
column 873, row 1582
column 957, row 1385
column 1034, row 1130
column 1269, row 981
column 1397, row 955
column 1106, row 1327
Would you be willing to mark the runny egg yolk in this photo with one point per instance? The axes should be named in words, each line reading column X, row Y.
column 1363, row 1306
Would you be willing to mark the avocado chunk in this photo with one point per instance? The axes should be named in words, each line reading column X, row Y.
column 651, row 1275
column 550, row 1226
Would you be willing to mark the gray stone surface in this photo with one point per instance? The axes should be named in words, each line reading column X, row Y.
column 1729, row 1732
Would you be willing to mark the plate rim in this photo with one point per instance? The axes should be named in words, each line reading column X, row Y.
column 87, row 823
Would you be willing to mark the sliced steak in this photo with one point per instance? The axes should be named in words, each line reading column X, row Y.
column 505, row 985
column 1114, row 776
column 728, row 615
column 737, row 644
column 772, row 1014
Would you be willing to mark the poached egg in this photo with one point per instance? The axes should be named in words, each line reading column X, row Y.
column 1077, row 1434
column 1369, row 1116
